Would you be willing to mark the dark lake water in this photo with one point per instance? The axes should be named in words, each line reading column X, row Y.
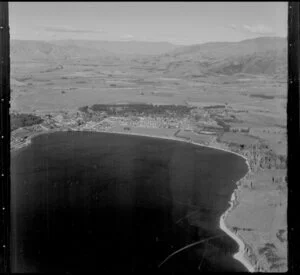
column 85, row 201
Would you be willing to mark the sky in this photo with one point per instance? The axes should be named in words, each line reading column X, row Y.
column 182, row 23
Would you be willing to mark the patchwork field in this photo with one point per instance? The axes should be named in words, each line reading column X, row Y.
column 237, row 138
column 40, row 86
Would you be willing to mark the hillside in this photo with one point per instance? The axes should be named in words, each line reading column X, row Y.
column 266, row 55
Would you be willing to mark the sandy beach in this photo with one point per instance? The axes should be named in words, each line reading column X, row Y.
column 240, row 255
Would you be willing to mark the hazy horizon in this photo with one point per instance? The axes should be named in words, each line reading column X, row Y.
column 179, row 23
column 180, row 45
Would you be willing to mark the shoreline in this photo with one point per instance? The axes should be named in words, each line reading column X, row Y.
column 240, row 255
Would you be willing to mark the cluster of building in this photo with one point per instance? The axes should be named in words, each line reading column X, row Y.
column 78, row 121
column 144, row 122
column 149, row 122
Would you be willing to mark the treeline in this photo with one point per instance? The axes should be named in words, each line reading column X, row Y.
column 23, row 120
column 260, row 156
column 138, row 109
column 271, row 160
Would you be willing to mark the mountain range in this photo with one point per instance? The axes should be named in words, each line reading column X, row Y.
column 264, row 55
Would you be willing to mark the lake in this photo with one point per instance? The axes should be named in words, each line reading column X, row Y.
column 84, row 201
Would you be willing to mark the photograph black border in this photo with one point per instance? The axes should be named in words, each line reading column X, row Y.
column 293, row 130
column 4, row 138
column 293, row 137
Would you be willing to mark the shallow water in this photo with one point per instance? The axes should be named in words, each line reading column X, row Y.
column 85, row 201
